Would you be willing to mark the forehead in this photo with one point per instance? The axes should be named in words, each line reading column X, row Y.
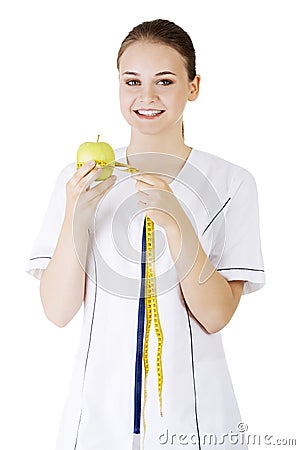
column 151, row 57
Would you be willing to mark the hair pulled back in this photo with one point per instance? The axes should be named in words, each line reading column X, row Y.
column 167, row 33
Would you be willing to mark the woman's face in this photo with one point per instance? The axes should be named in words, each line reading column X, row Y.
column 154, row 87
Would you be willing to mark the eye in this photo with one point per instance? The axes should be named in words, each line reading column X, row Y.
column 133, row 82
column 165, row 82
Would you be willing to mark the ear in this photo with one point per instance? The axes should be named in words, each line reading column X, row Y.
column 194, row 88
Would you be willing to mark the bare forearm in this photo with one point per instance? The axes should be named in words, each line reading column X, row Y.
column 208, row 295
column 63, row 282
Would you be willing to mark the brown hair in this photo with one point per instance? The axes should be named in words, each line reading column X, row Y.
column 167, row 33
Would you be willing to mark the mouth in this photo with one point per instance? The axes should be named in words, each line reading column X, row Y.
column 149, row 113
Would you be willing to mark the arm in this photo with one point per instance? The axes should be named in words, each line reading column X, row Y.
column 212, row 301
column 62, row 285
column 210, row 297
column 63, row 281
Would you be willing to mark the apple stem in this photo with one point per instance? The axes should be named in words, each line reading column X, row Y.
column 98, row 137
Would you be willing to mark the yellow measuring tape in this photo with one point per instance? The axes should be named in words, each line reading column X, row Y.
column 152, row 312
column 151, row 306
column 115, row 164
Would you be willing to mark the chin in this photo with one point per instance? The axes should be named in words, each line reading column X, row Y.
column 148, row 132
column 149, row 129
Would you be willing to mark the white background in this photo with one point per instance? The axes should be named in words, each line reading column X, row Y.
column 59, row 88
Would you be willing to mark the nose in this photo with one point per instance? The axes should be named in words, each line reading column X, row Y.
column 148, row 93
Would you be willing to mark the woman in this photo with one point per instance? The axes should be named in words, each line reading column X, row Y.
column 92, row 247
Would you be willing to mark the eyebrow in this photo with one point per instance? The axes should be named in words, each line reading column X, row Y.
column 158, row 74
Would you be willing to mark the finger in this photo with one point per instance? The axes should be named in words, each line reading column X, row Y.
column 85, row 182
column 146, row 178
column 85, row 169
column 144, row 198
column 151, row 181
column 85, row 174
column 141, row 186
column 141, row 204
column 102, row 188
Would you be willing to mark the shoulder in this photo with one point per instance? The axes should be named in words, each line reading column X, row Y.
column 224, row 174
column 215, row 165
column 65, row 173
column 68, row 170
column 62, row 177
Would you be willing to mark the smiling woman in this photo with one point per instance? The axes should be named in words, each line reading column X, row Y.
column 94, row 245
column 154, row 86
column 148, row 113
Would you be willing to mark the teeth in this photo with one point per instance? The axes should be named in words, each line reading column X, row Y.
column 149, row 112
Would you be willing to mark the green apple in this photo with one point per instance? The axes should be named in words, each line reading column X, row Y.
column 101, row 152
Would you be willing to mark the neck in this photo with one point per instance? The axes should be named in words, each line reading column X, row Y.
column 169, row 142
column 164, row 154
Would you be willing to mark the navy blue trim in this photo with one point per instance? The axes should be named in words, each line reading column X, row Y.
column 240, row 268
column 90, row 338
column 41, row 257
column 140, row 342
column 193, row 373
column 216, row 215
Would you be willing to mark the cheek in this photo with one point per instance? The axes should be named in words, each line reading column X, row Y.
column 179, row 103
column 121, row 97
column 176, row 98
column 126, row 102
column 126, row 98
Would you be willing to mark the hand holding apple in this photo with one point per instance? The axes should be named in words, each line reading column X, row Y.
column 101, row 152
column 104, row 156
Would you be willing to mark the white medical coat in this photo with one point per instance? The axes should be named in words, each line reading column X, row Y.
column 220, row 199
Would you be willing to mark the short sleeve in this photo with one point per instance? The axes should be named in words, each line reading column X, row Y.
column 237, row 255
column 47, row 237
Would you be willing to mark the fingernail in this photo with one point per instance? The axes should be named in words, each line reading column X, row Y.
column 92, row 163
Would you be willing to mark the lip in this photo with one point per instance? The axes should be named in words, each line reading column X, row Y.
column 149, row 113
